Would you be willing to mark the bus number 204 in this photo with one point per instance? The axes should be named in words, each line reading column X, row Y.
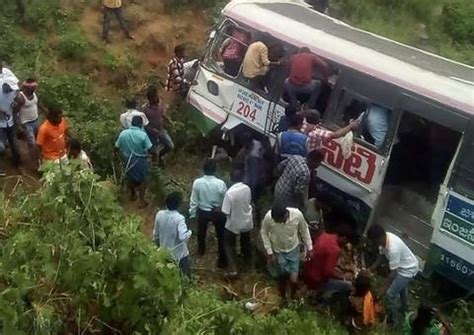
column 246, row 111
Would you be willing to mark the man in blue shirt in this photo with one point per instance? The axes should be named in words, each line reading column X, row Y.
column 206, row 202
column 171, row 233
column 8, row 93
column 133, row 144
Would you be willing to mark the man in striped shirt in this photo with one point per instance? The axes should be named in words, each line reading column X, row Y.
column 176, row 81
column 316, row 133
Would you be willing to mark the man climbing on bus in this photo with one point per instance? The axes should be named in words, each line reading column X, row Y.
column 300, row 82
column 292, row 141
column 257, row 62
column 233, row 51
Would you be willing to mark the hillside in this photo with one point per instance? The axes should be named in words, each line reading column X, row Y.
column 75, row 254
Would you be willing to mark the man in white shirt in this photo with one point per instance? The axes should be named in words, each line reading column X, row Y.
column 127, row 117
column 7, row 75
column 8, row 92
column 171, row 233
column 206, row 200
column 403, row 266
column 283, row 231
column 237, row 206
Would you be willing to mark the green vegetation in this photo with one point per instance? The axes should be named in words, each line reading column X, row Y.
column 70, row 259
column 445, row 27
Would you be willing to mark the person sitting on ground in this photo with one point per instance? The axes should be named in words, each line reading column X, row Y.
column 53, row 136
column 206, row 200
column 155, row 111
column 426, row 321
column 114, row 7
column 171, row 233
column 292, row 141
column 403, row 265
column 364, row 307
column 233, row 51
column 6, row 75
column 316, row 134
column 321, row 272
column 76, row 152
column 292, row 185
column 7, row 125
column 237, row 206
column 301, row 82
column 132, row 111
column 283, row 230
column 26, row 105
column 176, row 81
column 133, row 144
column 256, row 63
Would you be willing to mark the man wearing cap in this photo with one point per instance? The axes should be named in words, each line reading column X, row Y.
column 7, row 125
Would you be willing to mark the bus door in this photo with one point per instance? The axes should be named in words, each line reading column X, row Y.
column 355, row 178
column 214, row 90
column 452, row 244
column 426, row 141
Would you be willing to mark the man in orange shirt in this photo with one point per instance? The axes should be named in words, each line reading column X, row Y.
column 53, row 136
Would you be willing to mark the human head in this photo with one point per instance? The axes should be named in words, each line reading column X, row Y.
column 152, row 96
column 74, row 148
column 237, row 175
column 305, row 50
column 179, row 51
column 137, row 121
column 423, row 319
column 344, row 234
column 131, row 103
column 362, row 284
column 377, row 235
column 315, row 158
column 29, row 86
column 313, row 116
column 210, row 167
column 279, row 212
column 296, row 121
column 55, row 115
column 246, row 140
column 173, row 201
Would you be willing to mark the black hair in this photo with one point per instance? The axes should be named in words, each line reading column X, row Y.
column 54, row 110
column 316, row 155
column 179, row 50
column 152, row 94
column 173, row 200
column 279, row 211
column 210, row 167
column 376, row 232
column 305, row 50
column 362, row 285
column 75, row 144
column 344, row 230
column 296, row 120
column 131, row 103
column 237, row 174
column 137, row 121
column 423, row 319
column 30, row 80
column 246, row 139
column 313, row 116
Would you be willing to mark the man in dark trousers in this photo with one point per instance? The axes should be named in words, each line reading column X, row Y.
column 114, row 7
column 206, row 203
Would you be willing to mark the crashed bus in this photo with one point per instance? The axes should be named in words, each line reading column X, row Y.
column 418, row 179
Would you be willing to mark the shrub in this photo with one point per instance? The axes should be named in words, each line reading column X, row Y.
column 73, row 45
column 458, row 20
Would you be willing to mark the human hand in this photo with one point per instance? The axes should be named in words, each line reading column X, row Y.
column 271, row 258
column 354, row 123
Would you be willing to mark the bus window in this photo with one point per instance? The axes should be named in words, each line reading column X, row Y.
column 462, row 179
column 374, row 119
column 229, row 47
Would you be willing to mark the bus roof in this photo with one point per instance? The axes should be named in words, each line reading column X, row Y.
column 443, row 80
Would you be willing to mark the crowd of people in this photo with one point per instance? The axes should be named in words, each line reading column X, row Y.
column 301, row 245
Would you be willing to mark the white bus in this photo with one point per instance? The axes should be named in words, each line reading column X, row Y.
column 418, row 179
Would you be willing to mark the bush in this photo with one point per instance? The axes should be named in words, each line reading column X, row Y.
column 458, row 20
column 73, row 45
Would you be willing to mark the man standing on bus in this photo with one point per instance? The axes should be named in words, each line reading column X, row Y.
column 233, row 51
column 292, row 141
column 301, row 82
column 256, row 63
column 403, row 266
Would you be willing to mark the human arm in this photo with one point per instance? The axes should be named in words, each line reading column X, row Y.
column 156, row 230
column 224, row 46
column 343, row 131
column 265, row 234
column 226, row 207
column 321, row 64
column 18, row 102
column 194, row 200
column 184, row 233
column 301, row 187
column 303, row 231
